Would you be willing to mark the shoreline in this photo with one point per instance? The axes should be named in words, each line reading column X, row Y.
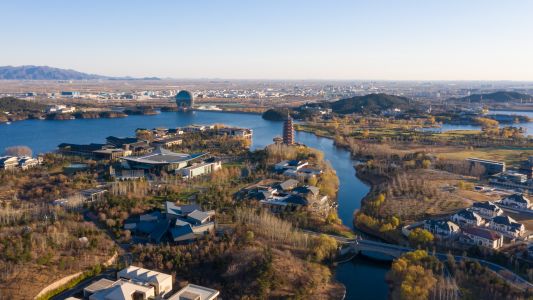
column 70, row 117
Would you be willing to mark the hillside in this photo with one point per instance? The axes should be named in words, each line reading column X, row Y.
column 50, row 73
column 501, row 96
column 43, row 73
column 276, row 114
column 372, row 103
column 12, row 105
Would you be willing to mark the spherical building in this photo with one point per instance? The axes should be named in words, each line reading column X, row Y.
column 184, row 99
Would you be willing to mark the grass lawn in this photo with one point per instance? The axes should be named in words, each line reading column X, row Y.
column 511, row 156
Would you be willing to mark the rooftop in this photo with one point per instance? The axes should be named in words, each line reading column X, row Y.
column 163, row 157
column 484, row 233
column 192, row 291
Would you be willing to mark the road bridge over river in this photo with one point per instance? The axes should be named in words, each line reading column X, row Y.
column 360, row 245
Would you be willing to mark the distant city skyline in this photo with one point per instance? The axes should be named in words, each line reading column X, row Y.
column 330, row 40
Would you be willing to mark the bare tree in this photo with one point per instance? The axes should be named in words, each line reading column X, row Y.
column 18, row 151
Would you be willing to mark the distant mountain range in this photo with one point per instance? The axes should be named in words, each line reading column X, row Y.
column 49, row 73
column 500, row 96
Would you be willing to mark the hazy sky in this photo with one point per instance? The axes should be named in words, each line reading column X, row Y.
column 283, row 39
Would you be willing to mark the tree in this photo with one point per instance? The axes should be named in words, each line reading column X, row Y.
column 18, row 151
column 324, row 247
column 411, row 276
column 420, row 237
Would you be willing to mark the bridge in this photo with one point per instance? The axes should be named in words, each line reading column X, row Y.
column 360, row 245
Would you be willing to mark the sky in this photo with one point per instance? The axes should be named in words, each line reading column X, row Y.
column 274, row 39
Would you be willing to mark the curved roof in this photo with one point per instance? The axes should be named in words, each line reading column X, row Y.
column 184, row 99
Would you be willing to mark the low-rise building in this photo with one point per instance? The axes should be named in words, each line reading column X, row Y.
column 27, row 162
column 467, row 217
column 124, row 290
column 203, row 168
column 161, row 282
column 235, row 132
column 288, row 185
column 482, row 237
column 161, row 159
column 179, row 224
column 91, row 195
column 290, row 165
column 507, row 226
column 195, row 292
column 9, row 162
column 487, row 209
column 167, row 142
column 441, row 228
column 516, row 200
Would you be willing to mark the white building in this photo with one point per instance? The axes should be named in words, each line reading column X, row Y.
column 195, row 292
column 441, row 228
column 507, row 226
column 121, row 290
column 487, row 209
column 61, row 109
column 161, row 282
column 516, row 200
column 467, row 217
column 200, row 169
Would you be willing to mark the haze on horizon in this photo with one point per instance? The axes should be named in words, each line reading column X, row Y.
column 381, row 40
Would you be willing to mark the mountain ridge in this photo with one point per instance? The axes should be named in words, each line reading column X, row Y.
column 32, row 72
column 499, row 96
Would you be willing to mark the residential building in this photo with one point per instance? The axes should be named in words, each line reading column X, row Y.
column 235, row 132
column 514, row 177
column 167, row 142
column 93, row 194
column 288, row 185
column 195, row 292
column 482, row 237
column 123, row 290
column 161, row 282
column 516, row 200
column 97, row 286
column 27, row 162
column 109, row 153
column 290, row 165
column 203, row 168
column 179, row 224
column 487, row 209
column 9, row 162
column 467, row 217
column 441, row 228
column 303, row 173
column 507, row 226
column 61, row 109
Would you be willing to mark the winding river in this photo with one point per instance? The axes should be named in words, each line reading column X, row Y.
column 363, row 277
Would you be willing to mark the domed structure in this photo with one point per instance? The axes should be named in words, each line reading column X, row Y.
column 184, row 99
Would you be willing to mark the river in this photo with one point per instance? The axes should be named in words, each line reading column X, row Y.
column 363, row 277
